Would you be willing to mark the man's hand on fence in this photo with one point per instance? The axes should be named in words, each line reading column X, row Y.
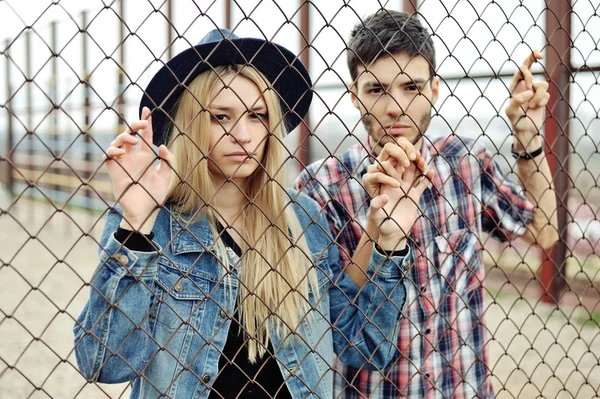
column 527, row 105
column 138, row 186
column 395, row 182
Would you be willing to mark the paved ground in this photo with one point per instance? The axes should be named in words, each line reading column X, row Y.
column 537, row 350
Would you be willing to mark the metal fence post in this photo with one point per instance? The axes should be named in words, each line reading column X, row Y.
column 169, row 29
column 54, row 118
column 9, row 125
column 121, row 77
column 86, row 110
column 304, row 137
column 228, row 14
column 410, row 6
column 29, row 120
column 558, row 69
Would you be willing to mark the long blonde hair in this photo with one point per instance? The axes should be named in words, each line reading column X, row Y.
column 276, row 264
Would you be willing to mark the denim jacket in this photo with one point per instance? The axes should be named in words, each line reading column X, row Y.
column 161, row 319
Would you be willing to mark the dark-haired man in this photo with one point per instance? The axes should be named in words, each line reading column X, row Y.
column 442, row 339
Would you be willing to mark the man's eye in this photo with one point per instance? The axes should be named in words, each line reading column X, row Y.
column 412, row 88
column 377, row 90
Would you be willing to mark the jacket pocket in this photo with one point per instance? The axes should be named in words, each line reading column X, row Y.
column 180, row 298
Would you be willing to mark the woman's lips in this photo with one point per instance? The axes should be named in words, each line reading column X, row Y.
column 239, row 156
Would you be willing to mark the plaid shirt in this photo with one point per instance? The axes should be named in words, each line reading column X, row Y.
column 442, row 341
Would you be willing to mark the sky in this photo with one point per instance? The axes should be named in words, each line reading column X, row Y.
column 474, row 37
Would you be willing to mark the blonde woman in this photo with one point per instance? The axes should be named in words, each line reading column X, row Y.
column 215, row 281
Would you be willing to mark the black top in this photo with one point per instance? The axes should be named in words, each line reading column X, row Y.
column 237, row 378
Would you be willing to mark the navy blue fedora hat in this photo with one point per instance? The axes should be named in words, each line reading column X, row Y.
column 280, row 66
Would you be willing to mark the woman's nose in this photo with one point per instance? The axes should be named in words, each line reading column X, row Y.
column 240, row 132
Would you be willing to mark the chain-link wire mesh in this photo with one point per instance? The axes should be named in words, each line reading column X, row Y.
column 510, row 316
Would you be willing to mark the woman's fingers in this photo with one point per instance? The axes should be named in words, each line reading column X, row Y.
column 166, row 160
column 114, row 153
column 146, row 131
column 127, row 141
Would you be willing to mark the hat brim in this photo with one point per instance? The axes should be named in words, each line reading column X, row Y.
column 281, row 67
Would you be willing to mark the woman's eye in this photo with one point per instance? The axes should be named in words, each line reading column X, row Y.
column 219, row 117
column 258, row 115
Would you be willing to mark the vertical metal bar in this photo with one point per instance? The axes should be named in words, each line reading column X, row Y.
column 410, row 6
column 169, row 29
column 29, row 118
column 86, row 107
column 121, row 77
column 54, row 97
column 228, row 14
column 9, row 126
column 558, row 69
column 304, row 139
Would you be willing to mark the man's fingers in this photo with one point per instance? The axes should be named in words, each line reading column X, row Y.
column 374, row 179
column 421, row 164
column 408, row 177
column 531, row 58
column 426, row 181
column 526, row 76
column 379, row 202
column 404, row 152
column 388, row 167
column 515, row 107
column 541, row 96
column 524, row 71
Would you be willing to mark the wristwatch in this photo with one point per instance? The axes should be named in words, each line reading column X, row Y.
column 526, row 155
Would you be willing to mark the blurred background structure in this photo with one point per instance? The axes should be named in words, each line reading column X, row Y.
column 72, row 74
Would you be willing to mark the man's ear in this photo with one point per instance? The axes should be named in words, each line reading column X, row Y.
column 435, row 89
column 353, row 95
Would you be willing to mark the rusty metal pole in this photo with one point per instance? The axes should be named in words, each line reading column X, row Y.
column 54, row 138
column 9, row 126
column 121, row 77
column 304, row 138
column 28, row 99
column 558, row 70
column 29, row 118
column 228, row 17
column 86, row 108
column 169, row 29
column 410, row 6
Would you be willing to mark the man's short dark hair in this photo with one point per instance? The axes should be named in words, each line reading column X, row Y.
column 386, row 33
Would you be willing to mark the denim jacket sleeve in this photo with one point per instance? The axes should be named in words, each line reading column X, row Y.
column 112, row 341
column 366, row 320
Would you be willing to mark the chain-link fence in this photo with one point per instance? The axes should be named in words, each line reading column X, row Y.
column 525, row 325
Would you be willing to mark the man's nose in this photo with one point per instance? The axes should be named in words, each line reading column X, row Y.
column 394, row 106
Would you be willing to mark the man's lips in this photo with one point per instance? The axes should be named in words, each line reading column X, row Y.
column 396, row 129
